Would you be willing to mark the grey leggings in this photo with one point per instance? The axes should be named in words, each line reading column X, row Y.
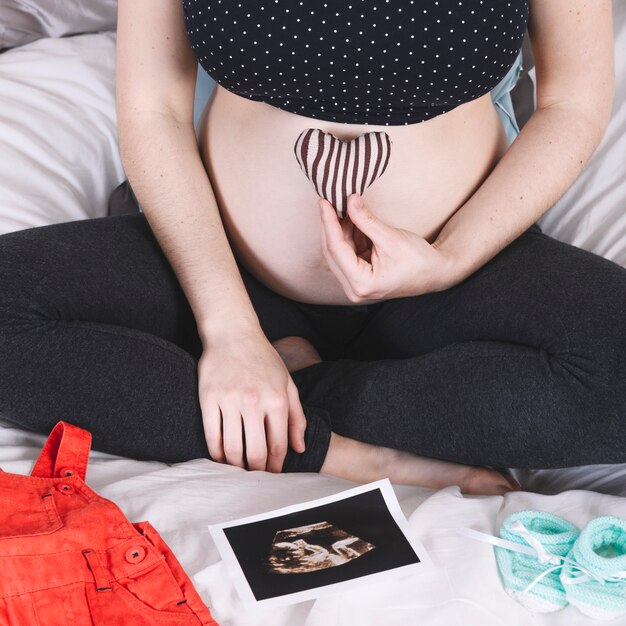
column 523, row 364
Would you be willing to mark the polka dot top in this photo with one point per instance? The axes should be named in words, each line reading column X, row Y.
column 384, row 62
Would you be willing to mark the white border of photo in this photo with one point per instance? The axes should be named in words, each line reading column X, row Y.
column 241, row 583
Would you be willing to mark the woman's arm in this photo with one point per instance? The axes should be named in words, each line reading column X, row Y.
column 156, row 78
column 572, row 43
column 573, row 47
column 244, row 387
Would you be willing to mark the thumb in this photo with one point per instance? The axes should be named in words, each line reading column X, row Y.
column 366, row 221
column 297, row 420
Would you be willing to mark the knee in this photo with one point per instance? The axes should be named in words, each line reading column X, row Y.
column 596, row 379
column 20, row 271
column 594, row 327
column 578, row 423
column 602, row 354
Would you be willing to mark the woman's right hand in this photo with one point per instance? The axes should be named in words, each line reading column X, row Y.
column 250, row 405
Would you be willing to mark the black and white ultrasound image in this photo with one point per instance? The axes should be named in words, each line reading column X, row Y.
column 314, row 547
column 323, row 545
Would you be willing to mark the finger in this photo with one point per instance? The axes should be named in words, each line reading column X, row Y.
column 348, row 230
column 232, row 435
column 256, row 447
column 368, row 223
column 329, row 257
column 297, row 419
column 326, row 203
column 276, row 433
column 339, row 275
column 351, row 266
column 362, row 242
column 336, row 231
column 212, row 424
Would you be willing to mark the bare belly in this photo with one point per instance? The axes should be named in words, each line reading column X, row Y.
column 270, row 210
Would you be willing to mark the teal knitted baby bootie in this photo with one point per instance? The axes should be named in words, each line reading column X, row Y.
column 596, row 582
column 532, row 578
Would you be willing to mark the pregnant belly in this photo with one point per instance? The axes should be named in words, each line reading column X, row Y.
column 269, row 208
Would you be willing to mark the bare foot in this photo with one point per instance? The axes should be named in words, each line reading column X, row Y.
column 363, row 462
column 296, row 352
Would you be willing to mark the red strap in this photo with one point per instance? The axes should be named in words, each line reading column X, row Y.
column 67, row 447
column 99, row 571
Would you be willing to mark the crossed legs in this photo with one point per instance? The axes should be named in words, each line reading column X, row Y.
column 521, row 365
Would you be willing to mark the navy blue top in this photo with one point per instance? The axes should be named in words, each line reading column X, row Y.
column 384, row 62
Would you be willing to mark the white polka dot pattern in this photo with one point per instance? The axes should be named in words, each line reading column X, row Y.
column 340, row 168
column 384, row 62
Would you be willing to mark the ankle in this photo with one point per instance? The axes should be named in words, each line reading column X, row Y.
column 357, row 461
column 296, row 352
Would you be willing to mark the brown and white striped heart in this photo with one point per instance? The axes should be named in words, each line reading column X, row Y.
column 340, row 168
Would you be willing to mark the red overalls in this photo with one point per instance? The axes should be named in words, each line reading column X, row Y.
column 69, row 557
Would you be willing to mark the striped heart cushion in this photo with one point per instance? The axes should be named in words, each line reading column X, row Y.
column 340, row 168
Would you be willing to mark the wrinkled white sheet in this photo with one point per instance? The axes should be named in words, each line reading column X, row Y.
column 59, row 163
column 22, row 21
column 181, row 499
column 59, row 155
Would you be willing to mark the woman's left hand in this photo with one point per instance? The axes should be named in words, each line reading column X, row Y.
column 374, row 261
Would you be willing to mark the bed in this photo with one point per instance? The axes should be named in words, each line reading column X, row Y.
column 59, row 161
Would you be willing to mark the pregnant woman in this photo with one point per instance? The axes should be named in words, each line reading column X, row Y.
column 415, row 324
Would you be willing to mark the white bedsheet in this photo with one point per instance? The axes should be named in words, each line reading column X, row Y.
column 59, row 166
column 181, row 499
column 59, row 154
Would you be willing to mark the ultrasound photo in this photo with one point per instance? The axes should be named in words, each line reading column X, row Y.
column 313, row 547
column 321, row 547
